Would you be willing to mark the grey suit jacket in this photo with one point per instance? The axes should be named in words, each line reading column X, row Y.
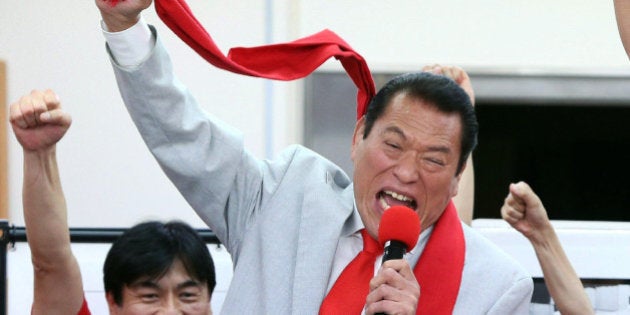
column 280, row 220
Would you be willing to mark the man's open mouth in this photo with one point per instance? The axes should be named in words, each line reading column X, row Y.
column 390, row 198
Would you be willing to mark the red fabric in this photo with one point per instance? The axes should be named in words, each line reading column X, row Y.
column 84, row 308
column 438, row 272
column 287, row 61
column 440, row 268
column 347, row 296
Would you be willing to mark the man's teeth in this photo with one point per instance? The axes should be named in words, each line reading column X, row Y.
column 400, row 197
column 394, row 195
column 384, row 203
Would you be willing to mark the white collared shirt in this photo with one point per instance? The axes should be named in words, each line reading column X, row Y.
column 131, row 46
column 351, row 243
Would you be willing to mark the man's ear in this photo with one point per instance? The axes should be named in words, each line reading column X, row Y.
column 357, row 137
column 111, row 303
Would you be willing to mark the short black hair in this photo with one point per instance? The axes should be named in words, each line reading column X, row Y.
column 436, row 90
column 149, row 249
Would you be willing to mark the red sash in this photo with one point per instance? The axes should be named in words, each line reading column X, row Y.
column 439, row 270
column 287, row 61
column 85, row 310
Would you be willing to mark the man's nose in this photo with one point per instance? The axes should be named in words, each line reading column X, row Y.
column 171, row 306
column 406, row 168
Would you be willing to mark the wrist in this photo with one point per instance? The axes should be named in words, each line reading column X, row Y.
column 41, row 154
column 544, row 236
column 117, row 23
column 40, row 168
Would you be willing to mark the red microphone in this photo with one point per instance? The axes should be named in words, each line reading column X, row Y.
column 398, row 231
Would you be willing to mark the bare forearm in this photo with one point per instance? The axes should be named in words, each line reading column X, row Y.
column 563, row 283
column 622, row 13
column 58, row 286
column 44, row 207
column 465, row 198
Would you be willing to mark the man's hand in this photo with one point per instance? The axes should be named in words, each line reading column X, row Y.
column 394, row 289
column 38, row 120
column 455, row 73
column 121, row 14
column 524, row 211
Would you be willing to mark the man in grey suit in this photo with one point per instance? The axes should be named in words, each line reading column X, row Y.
column 293, row 224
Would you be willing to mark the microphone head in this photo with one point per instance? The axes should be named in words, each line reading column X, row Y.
column 401, row 224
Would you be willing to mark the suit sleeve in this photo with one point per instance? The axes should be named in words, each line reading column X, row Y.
column 203, row 157
column 516, row 300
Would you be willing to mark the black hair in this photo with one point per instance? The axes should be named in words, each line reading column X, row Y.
column 149, row 249
column 435, row 90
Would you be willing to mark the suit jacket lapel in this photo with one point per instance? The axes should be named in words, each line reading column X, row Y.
column 323, row 217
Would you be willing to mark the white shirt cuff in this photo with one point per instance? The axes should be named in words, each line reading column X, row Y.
column 132, row 46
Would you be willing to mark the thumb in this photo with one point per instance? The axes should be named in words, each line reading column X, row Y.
column 56, row 117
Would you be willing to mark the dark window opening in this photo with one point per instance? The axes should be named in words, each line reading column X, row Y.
column 576, row 158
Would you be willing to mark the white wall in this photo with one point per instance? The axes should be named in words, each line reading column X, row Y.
column 523, row 34
column 109, row 177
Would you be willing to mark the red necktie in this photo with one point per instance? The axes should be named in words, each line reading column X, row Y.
column 287, row 61
column 348, row 294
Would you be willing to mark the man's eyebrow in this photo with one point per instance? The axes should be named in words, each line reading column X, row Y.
column 399, row 132
column 144, row 284
column 188, row 284
column 439, row 148
column 395, row 130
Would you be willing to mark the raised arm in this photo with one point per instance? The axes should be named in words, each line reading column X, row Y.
column 39, row 123
column 524, row 211
column 622, row 13
column 465, row 198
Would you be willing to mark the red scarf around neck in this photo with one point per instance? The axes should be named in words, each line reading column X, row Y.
column 439, row 269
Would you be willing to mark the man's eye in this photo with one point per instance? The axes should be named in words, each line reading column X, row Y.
column 189, row 296
column 149, row 297
column 434, row 161
column 393, row 145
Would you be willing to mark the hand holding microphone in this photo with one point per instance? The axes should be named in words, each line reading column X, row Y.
column 395, row 289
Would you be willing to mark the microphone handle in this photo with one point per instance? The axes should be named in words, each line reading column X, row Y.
column 393, row 250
